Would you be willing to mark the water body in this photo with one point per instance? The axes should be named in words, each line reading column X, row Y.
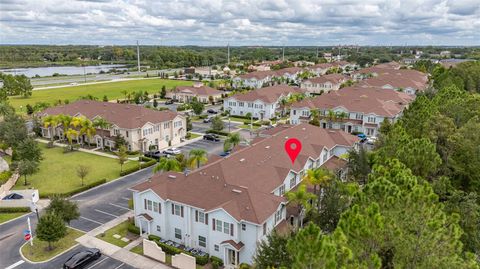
column 64, row 70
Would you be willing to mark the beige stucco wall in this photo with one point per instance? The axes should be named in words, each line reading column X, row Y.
column 152, row 250
column 183, row 261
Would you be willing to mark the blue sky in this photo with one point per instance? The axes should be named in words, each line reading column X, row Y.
column 240, row 22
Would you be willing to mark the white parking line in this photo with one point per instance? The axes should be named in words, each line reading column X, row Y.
column 106, row 213
column 120, row 265
column 94, row 221
column 15, row 264
column 126, row 198
column 97, row 263
column 119, row 206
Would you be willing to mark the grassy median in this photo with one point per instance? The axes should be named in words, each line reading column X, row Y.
column 39, row 251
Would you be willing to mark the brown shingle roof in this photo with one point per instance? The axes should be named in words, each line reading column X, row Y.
column 122, row 115
column 258, row 75
column 267, row 94
column 202, row 90
column 402, row 78
column 242, row 183
column 382, row 102
column 333, row 78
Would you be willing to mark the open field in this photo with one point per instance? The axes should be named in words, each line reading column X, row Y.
column 58, row 174
column 113, row 90
column 4, row 217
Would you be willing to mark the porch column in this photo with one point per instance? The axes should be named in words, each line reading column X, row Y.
column 140, row 224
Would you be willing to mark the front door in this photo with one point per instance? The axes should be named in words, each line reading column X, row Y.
column 232, row 257
column 349, row 128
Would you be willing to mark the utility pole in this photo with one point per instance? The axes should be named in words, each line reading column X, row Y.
column 283, row 53
column 228, row 53
column 317, row 52
column 138, row 57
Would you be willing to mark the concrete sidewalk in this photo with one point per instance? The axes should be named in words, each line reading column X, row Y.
column 116, row 252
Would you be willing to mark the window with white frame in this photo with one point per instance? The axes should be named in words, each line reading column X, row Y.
column 149, row 205
column 216, row 248
column 244, row 227
column 218, row 225
column 281, row 190
column 371, row 119
column 359, row 116
column 158, row 228
column 250, row 105
column 278, row 216
column 240, row 104
column 202, row 241
column 178, row 233
column 166, row 125
column 293, row 181
column 177, row 210
column 226, row 227
column 200, row 217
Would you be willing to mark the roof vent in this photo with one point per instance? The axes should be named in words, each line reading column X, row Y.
column 304, row 129
column 237, row 191
column 242, row 160
column 213, row 177
column 267, row 147
column 286, row 137
column 172, row 176
column 218, row 177
column 247, row 208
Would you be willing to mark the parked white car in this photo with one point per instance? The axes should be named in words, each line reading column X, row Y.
column 172, row 151
column 371, row 140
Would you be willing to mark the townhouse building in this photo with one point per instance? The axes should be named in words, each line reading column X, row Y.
column 289, row 73
column 325, row 83
column 353, row 109
column 204, row 94
column 141, row 127
column 261, row 103
column 227, row 207
column 254, row 80
column 405, row 80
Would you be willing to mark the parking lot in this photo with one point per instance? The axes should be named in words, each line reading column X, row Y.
column 210, row 146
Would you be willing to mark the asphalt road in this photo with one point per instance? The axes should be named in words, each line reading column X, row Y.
column 97, row 206
column 211, row 147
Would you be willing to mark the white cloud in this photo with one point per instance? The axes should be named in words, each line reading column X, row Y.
column 240, row 22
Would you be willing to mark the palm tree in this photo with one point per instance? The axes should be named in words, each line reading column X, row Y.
column 103, row 124
column 87, row 128
column 300, row 198
column 232, row 140
column 318, row 177
column 197, row 157
column 65, row 120
column 50, row 121
column 331, row 117
column 167, row 164
column 70, row 134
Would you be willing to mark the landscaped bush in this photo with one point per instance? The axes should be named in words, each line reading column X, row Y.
column 14, row 209
column 145, row 159
column 265, row 122
column 148, row 164
column 217, row 132
column 132, row 228
column 171, row 250
column 136, row 168
column 135, row 152
column 214, row 259
column 244, row 266
column 129, row 170
column 200, row 260
column 152, row 237
column 183, row 107
column 242, row 117
column 5, row 176
column 254, row 123
column 203, row 117
column 75, row 191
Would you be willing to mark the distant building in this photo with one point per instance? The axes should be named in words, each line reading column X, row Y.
column 204, row 94
column 323, row 83
column 261, row 103
column 364, row 109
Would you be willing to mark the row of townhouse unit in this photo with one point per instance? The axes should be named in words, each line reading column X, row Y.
column 228, row 206
column 262, row 103
column 355, row 109
column 141, row 127
column 204, row 94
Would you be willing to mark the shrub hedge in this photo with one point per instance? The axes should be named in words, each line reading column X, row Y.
column 75, row 191
column 141, row 166
column 217, row 260
column 14, row 209
column 171, row 250
column 132, row 228
column 217, row 132
column 254, row 124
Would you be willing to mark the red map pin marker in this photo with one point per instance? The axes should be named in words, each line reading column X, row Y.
column 293, row 147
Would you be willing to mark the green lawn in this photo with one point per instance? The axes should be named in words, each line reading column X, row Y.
column 58, row 174
column 113, row 90
column 137, row 249
column 244, row 126
column 9, row 216
column 39, row 251
column 192, row 136
column 121, row 229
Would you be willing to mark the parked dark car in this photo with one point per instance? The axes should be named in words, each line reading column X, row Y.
column 169, row 102
column 82, row 258
column 212, row 111
column 211, row 137
column 13, row 196
column 225, row 153
column 154, row 154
